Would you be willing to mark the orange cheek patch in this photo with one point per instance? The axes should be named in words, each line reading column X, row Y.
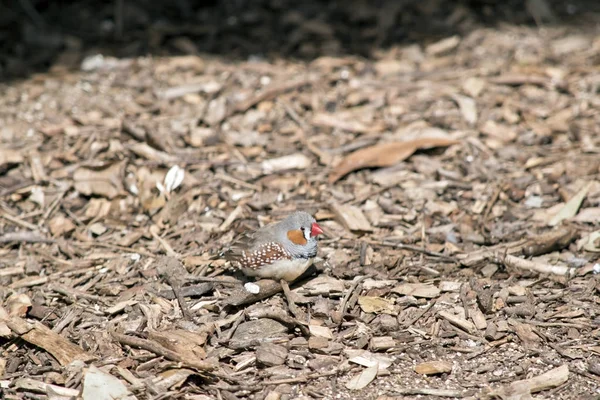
column 297, row 237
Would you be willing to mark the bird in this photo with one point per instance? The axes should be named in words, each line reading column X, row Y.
column 281, row 250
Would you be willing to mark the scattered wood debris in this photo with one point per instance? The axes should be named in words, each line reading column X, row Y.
column 458, row 190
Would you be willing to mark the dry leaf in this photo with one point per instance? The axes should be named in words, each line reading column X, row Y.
column 468, row 108
column 570, row 209
column 98, row 385
column 384, row 155
column 368, row 359
column 590, row 242
column 417, row 290
column 363, row 379
column 173, row 378
column 105, row 182
column 378, row 305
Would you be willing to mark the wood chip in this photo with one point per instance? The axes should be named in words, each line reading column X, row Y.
column 31, row 385
column 38, row 334
column 382, row 343
column 417, row 290
column 458, row 321
column 271, row 354
column 321, row 331
column 292, row 161
column 351, row 217
column 433, row 367
column 524, row 388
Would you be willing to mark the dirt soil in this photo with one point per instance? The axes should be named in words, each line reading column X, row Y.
column 449, row 151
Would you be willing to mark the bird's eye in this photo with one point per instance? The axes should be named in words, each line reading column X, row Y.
column 305, row 232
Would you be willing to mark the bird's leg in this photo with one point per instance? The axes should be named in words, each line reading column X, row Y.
column 291, row 304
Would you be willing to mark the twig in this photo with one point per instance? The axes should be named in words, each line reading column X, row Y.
column 14, row 188
column 235, row 214
column 521, row 263
column 227, row 282
column 156, row 348
column 269, row 93
column 531, row 246
column 173, row 271
column 53, row 206
column 491, row 202
column 370, row 195
column 187, row 291
column 168, row 249
column 234, row 327
column 417, row 249
column 432, row 392
column 25, row 237
column 281, row 317
column 19, row 222
column 235, row 181
column 301, row 379
column 73, row 294
column 555, row 324
column 117, row 247
column 488, row 347
column 305, row 128
column 417, row 317
column 268, row 288
column 349, row 293
column 464, row 288
column 176, row 287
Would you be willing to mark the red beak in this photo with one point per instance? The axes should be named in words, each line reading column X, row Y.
column 315, row 229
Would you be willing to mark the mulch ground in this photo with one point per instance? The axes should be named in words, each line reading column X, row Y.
column 456, row 177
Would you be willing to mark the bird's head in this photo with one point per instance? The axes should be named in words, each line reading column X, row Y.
column 300, row 230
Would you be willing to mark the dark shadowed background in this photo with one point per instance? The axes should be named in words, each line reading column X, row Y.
column 36, row 34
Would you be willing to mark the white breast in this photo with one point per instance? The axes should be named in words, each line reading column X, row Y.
column 281, row 269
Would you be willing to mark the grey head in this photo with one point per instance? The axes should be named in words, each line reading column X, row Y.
column 297, row 234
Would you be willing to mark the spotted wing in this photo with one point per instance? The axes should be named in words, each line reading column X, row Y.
column 264, row 254
column 240, row 245
column 245, row 243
